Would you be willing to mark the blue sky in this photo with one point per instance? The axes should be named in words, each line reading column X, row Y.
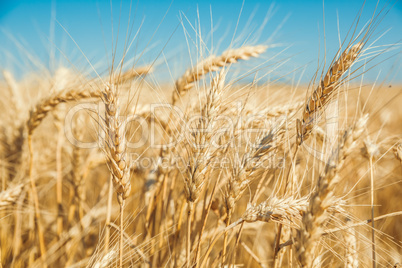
column 293, row 26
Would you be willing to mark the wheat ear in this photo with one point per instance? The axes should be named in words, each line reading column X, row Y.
column 200, row 149
column 40, row 111
column 276, row 209
column 10, row 196
column 115, row 146
column 131, row 74
column 325, row 90
column 212, row 64
column 281, row 210
column 398, row 152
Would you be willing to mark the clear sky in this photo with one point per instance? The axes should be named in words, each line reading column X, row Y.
column 293, row 26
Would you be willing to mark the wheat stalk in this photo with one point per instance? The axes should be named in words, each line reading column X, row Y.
column 38, row 113
column 322, row 199
column 77, row 180
column 201, row 150
column 371, row 151
column 115, row 147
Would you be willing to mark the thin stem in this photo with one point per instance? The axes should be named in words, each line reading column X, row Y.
column 225, row 237
column 197, row 253
column 59, row 184
column 210, row 248
column 108, row 215
column 190, row 211
column 121, row 232
column 17, row 240
column 372, row 211
column 238, row 241
column 4, row 174
column 36, row 204
column 277, row 244
column 278, row 234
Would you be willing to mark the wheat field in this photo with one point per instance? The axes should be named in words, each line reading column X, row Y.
column 217, row 167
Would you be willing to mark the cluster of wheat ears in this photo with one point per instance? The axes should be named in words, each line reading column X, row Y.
column 235, row 174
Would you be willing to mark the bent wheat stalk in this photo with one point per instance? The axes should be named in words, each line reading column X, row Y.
column 38, row 113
